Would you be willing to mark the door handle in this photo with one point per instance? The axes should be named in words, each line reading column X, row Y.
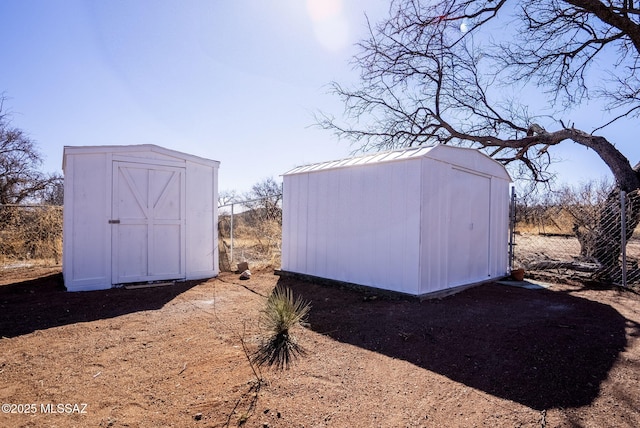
column 114, row 221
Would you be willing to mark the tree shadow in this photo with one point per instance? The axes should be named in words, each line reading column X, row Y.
column 540, row 348
column 43, row 303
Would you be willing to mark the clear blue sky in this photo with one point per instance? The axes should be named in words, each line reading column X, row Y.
column 232, row 80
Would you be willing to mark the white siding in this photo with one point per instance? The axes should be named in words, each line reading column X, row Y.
column 89, row 262
column 202, row 221
column 434, row 243
column 87, row 241
column 345, row 225
column 499, row 262
column 416, row 221
column 467, row 227
column 452, row 254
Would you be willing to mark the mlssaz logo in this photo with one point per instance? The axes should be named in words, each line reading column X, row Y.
column 66, row 408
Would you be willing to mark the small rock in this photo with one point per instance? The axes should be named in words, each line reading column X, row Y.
column 245, row 274
column 197, row 416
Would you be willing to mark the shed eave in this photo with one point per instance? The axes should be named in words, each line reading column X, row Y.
column 439, row 152
column 368, row 159
column 443, row 153
column 69, row 150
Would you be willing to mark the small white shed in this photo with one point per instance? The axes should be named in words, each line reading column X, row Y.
column 139, row 213
column 416, row 221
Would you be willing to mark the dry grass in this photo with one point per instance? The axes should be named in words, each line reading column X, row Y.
column 553, row 221
column 256, row 241
column 31, row 235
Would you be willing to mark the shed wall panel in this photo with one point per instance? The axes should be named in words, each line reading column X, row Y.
column 499, row 228
column 314, row 247
column 435, row 212
column 89, row 261
column 449, row 253
column 87, row 239
column 332, row 222
column 201, row 221
column 468, row 227
column 402, row 223
column 355, row 224
column 287, row 214
column 295, row 208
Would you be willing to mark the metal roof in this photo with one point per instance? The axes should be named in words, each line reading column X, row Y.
column 393, row 155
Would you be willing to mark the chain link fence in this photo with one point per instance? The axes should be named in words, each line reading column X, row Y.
column 250, row 231
column 30, row 235
column 593, row 238
column 585, row 236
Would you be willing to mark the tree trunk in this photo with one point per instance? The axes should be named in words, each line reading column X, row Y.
column 608, row 245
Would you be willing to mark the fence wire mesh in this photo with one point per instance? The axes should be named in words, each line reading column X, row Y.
column 250, row 231
column 592, row 236
column 30, row 234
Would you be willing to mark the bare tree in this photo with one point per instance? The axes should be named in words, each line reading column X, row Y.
column 266, row 196
column 20, row 178
column 53, row 193
column 227, row 197
column 452, row 72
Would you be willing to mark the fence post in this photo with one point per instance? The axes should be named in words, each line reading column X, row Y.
column 623, row 235
column 512, row 227
column 231, row 234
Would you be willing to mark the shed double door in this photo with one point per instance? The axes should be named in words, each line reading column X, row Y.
column 148, row 222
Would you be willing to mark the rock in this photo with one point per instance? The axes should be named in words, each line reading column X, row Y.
column 197, row 416
column 245, row 274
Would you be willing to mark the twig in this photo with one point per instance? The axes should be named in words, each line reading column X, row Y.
column 247, row 354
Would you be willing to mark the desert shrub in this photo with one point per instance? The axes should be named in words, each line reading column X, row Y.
column 281, row 314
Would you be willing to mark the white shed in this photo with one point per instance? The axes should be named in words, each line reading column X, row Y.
column 138, row 213
column 417, row 221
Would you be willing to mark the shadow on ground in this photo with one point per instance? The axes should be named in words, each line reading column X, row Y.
column 43, row 303
column 540, row 348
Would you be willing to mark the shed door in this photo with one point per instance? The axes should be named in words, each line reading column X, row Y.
column 148, row 223
column 468, row 258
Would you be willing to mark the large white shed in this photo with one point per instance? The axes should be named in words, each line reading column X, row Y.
column 418, row 221
column 138, row 213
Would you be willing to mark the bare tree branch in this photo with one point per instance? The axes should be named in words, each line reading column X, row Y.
column 20, row 160
column 427, row 80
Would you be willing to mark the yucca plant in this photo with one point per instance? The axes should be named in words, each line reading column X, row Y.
column 281, row 314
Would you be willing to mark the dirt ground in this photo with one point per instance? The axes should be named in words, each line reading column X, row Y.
column 490, row 356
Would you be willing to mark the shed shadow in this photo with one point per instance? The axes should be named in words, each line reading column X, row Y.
column 541, row 348
column 43, row 303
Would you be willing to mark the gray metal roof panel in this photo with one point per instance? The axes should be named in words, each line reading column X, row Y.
column 370, row 158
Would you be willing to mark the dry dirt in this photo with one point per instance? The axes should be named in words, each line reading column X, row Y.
column 494, row 356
